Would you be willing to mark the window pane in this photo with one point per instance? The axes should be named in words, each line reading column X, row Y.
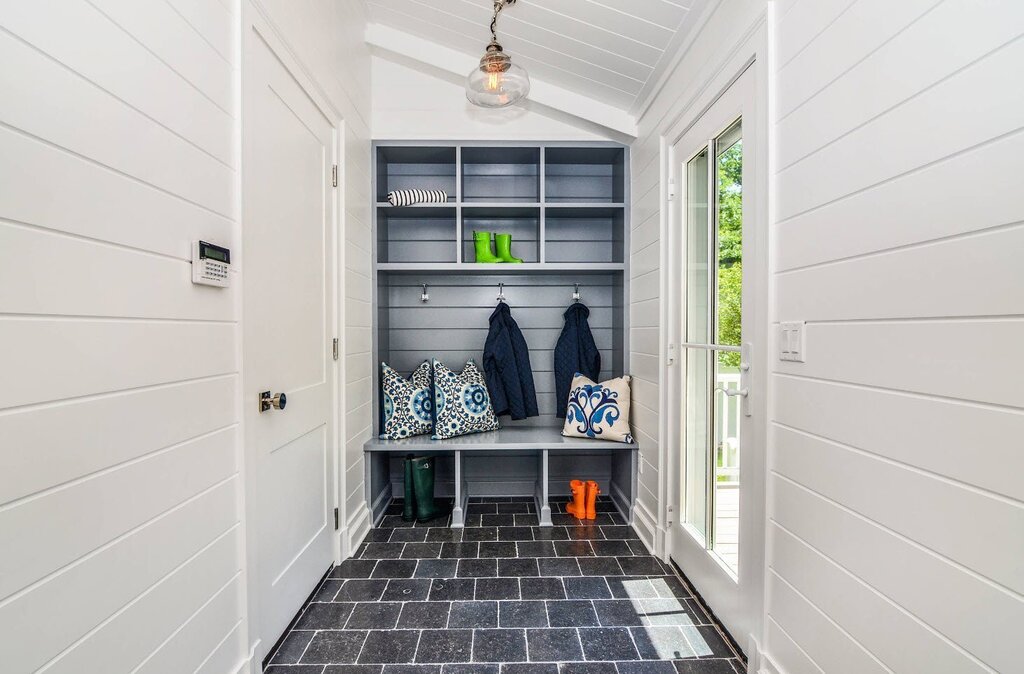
column 697, row 434
column 698, row 323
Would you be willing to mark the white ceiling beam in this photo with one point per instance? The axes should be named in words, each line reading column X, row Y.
column 541, row 92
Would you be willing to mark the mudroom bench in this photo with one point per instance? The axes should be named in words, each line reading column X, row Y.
column 504, row 448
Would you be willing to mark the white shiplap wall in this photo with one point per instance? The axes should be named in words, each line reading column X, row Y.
column 720, row 30
column 897, row 517
column 119, row 487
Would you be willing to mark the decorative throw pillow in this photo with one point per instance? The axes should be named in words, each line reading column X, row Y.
column 598, row 410
column 462, row 404
column 406, row 404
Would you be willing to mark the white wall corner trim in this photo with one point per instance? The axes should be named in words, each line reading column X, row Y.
column 541, row 92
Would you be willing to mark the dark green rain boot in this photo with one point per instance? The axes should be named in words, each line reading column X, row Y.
column 423, row 485
column 409, row 504
column 482, row 246
column 503, row 243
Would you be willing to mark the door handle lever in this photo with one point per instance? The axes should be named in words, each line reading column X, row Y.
column 742, row 392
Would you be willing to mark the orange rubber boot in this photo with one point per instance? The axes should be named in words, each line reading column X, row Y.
column 577, row 507
column 592, row 492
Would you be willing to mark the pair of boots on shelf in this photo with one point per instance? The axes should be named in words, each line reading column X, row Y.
column 484, row 251
column 419, row 490
column 584, row 499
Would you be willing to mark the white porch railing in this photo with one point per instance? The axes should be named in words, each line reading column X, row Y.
column 727, row 434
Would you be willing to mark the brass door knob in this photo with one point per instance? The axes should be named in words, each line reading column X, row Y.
column 271, row 401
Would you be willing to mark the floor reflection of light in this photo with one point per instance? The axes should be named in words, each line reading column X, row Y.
column 668, row 630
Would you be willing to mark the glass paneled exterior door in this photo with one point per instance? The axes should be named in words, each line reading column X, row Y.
column 714, row 362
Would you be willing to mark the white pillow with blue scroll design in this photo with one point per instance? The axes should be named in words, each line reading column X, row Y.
column 407, row 407
column 462, row 404
column 599, row 411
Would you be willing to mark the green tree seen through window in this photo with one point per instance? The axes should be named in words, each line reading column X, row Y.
column 730, row 250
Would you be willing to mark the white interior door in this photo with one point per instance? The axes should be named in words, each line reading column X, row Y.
column 288, row 318
column 717, row 449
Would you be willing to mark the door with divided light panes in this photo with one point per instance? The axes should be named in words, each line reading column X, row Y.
column 717, row 370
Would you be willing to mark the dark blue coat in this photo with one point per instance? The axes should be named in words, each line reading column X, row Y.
column 507, row 367
column 575, row 352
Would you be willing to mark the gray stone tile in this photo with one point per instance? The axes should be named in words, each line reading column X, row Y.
column 362, row 590
column 383, row 550
column 553, row 645
column 661, row 643
column 421, row 550
column 443, row 535
column 515, row 533
column 646, row 667
column 334, row 646
column 374, row 616
column 352, row 669
column 618, row 612
column 424, row 615
column 291, row 648
column 518, row 567
column 391, row 646
column 608, row 643
column 550, row 534
column 504, row 520
column 558, row 566
column 328, row 589
column 452, row 589
column 529, row 668
column 640, row 566
column 499, row 645
column 408, row 536
column 612, row 549
column 600, row 566
column 713, row 666
column 436, row 568
column 497, row 588
column 413, row 589
column 522, row 614
column 472, row 614
column 573, row 549
column 535, row 549
column 495, row 549
column 475, row 668
column 571, row 613
column 586, row 668
column 394, row 568
column 480, row 534
column 445, row 646
column 354, row 568
column 462, row 550
column 542, row 588
column 325, row 616
column 587, row 588
column 477, row 568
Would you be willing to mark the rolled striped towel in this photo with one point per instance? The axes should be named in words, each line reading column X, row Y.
column 407, row 197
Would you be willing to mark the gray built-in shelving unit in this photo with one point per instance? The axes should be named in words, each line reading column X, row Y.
column 567, row 208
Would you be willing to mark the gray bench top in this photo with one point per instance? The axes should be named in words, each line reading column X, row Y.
column 514, row 437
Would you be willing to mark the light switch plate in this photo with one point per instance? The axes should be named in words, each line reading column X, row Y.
column 792, row 345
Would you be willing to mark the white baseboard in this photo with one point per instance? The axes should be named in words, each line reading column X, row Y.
column 646, row 527
column 358, row 526
column 250, row 665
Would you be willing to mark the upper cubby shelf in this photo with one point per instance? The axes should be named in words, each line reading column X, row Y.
column 584, row 175
column 416, row 167
column 501, row 174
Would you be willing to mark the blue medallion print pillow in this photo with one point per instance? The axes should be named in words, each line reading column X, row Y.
column 407, row 408
column 598, row 411
column 462, row 404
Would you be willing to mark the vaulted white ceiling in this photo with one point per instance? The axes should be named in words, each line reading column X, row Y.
column 610, row 51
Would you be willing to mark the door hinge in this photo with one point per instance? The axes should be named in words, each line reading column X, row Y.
column 336, row 525
column 334, row 348
column 334, row 175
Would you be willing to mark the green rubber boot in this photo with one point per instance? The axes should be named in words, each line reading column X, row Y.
column 482, row 245
column 409, row 504
column 423, row 485
column 504, row 246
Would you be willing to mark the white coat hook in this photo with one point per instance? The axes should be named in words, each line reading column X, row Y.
column 424, row 296
column 501, row 292
column 576, row 292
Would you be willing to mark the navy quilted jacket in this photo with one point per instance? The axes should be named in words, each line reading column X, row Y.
column 507, row 367
column 575, row 352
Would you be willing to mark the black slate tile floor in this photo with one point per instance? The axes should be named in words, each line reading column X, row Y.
column 504, row 596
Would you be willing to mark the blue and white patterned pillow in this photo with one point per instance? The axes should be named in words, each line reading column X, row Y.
column 462, row 404
column 598, row 411
column 407, row 407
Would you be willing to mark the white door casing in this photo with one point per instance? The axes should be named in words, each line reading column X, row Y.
column 289, row 279
column 736, row 600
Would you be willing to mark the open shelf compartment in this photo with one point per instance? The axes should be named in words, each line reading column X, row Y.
column 507, row 174
column 415, row 167
column 416, row 234
column 584, row 234
column 584, row 175
column 523, row 223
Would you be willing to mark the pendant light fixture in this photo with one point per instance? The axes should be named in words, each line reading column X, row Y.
column 497, row 82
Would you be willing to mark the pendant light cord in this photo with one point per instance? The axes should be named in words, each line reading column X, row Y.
column 498, row 6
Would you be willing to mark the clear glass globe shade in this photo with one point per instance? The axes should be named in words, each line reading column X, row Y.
column 496, row 89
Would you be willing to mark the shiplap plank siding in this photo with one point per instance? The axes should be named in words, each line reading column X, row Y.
column 895, row 470
column 120, row 492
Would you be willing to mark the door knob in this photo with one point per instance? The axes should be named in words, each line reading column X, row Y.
column 270, row 401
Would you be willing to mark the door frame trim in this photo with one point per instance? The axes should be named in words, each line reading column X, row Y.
column 750, row 52
column 256, row 24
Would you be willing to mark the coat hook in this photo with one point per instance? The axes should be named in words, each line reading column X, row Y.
column 424, row 296
column 576, row 293
column 501, row 292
